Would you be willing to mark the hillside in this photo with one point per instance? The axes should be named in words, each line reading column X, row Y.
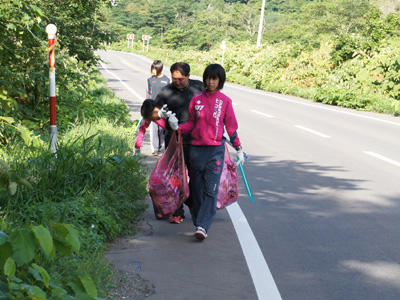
column 342, row 52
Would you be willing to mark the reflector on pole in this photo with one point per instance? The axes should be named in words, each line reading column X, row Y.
column 51, row 30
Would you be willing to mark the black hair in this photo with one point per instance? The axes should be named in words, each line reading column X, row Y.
column 146, row 110
column 158, row 66
column 181, row 67
column 215, row 71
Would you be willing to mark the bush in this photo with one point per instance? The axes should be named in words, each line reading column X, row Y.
column 94, row 183
column 356, row 74
column 26, row 250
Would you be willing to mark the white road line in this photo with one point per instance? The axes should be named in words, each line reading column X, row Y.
column 315, row 105
column 384, row 158
column 259, row 270
column 127, row 63
column 312, row 131
column 123, row 83
column 144, row 58
column 262, row 114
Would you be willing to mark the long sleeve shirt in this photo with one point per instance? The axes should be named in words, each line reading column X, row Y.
column 155, row 84
column 142, row 131
column 178, row 101
column 208, row 115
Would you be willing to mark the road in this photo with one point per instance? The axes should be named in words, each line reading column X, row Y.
column 325, row 222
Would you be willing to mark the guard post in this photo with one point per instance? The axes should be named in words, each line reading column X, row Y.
column 147, row 38
column 51, row 30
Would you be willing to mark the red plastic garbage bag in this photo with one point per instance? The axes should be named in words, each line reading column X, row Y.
column 168, row 183
column 228, row 185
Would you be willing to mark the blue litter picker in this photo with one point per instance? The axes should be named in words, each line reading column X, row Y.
column 246, row 183
column 138, row 124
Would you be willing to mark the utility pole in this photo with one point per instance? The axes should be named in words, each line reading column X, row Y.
column 223, row 47
column 261, row 24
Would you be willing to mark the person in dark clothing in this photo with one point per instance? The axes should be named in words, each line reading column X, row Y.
column 154, row 85
column 177, row 96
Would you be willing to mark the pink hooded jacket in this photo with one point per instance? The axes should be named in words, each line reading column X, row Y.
column 208, row 114
column 142, row 131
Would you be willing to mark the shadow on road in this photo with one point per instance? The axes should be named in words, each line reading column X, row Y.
column 323, row 231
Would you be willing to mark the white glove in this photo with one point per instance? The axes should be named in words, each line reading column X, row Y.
column 163, row 113
column 239, row 157
column 173, row 122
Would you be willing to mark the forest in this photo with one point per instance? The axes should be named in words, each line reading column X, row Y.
column 342, row 52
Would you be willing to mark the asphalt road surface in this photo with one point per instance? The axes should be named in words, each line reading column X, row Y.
column 325, row 222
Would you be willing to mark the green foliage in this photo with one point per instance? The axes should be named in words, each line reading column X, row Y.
column 22, row 275
column 24, row 59
column 181, row 24
column 173, row 38
column 367, row 79
column 94, row 186
column 83, row 185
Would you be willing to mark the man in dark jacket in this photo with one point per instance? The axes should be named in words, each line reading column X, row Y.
column 177, row 96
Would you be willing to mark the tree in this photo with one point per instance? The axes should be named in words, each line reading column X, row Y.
column 161, row 16
column 24, row 52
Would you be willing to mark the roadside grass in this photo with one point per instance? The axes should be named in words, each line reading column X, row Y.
column 94, row 183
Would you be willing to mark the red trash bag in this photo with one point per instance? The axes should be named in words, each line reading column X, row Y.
column 168, row 183
column 228, row 185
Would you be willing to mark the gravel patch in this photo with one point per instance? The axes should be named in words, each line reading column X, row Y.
column 129, row 286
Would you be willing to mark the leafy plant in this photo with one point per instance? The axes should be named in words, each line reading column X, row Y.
column 26, row 249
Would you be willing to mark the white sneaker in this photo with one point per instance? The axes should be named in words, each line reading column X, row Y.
column 200, row 233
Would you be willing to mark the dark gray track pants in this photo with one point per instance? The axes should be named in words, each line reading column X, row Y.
column 206, row 164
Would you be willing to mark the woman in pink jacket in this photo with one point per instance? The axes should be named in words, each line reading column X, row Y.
column 209, row 113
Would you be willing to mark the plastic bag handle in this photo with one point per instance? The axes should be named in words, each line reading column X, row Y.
column 227, row 150
column 179, row 136
column 177, row 142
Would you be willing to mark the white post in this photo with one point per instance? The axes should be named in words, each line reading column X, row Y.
column 261, row 24
column 51, row 30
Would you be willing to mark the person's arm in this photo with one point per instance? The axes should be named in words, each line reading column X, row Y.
column 141, row 133
column 231, row 125
column 189, row 124
column 162, row 123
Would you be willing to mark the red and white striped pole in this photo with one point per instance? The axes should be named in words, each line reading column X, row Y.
column 51, row 30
